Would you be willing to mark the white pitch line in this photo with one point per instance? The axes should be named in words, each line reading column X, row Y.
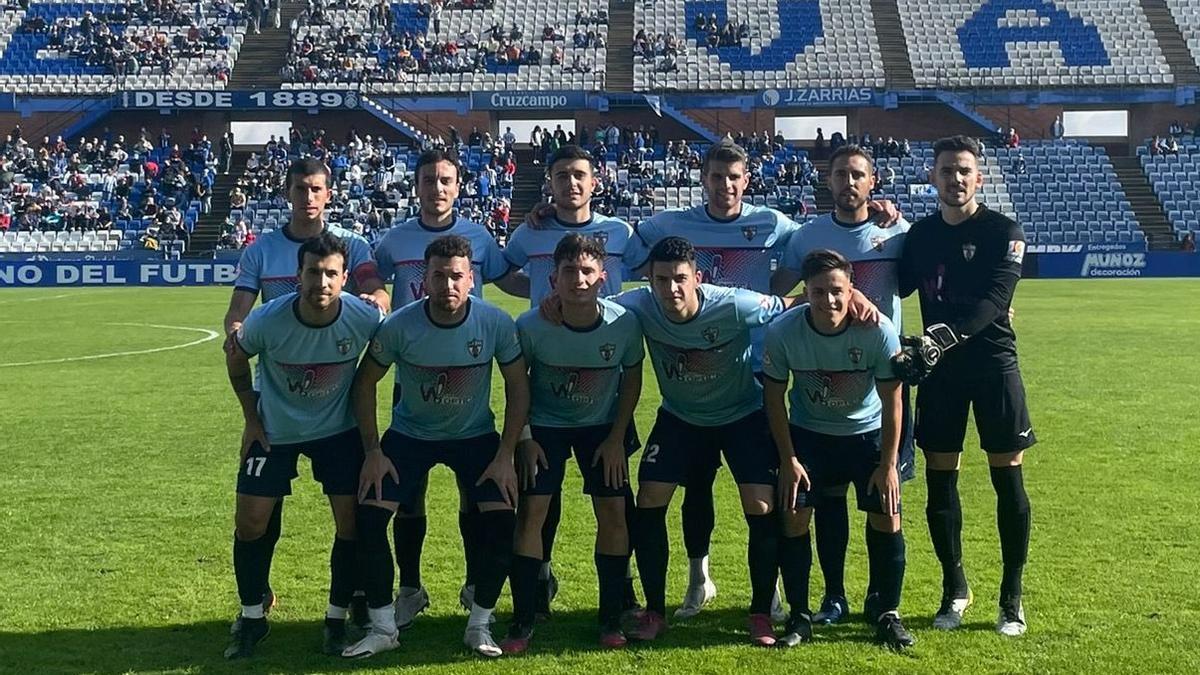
column 208, row 336
column 40, row 297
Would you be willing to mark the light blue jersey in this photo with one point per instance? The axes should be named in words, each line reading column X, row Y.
column 533, row 250
column 445, row 371
column 304, row 373
column 835, row 375
column 269, row 265
column 873, row 250
column 400, row 255
column 703, row 364
column 743, row 252
column 575, row 373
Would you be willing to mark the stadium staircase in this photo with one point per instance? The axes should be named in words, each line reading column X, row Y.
column 618, row 73
column 208, row 226
column 706, row 123
column 527, row 185
column 378, row 110
column 821, row 193
column 893, row 47
column 1146, row 206
column 263, row 55
column 1170, row 40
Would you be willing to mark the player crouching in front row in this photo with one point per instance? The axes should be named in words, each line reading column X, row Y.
column 843, row 427
column 444, row 346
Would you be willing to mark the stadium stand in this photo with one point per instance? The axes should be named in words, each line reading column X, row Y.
column 1007, row 43
column 88, row 48
column 374, row 186
column 100, row 195
column 1187, row 17
column 1173, row 177
column 529, row 46
column 775, row 43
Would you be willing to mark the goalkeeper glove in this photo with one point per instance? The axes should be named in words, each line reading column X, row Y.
column 920, row 353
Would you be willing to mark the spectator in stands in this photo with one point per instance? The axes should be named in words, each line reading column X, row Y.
column 237, row 198
column 1188, row 245
column 819, row 144
column 1056, row 129
column 1019, row 165
column 1174, row 129
column 1013, row 139
column 1157, row 145
column 1171, row 146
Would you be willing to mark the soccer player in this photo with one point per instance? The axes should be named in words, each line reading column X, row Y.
column 585, row 378
column 699, row 341
column 267, row 269
column 444, row 346
column 964, row 262
column 874, row 251
column 738, row 245
column 843, row 427
column 572, row 176
column 307, row 343
column 400, row 255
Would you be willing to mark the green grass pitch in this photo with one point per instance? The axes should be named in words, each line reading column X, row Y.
column 118, row 476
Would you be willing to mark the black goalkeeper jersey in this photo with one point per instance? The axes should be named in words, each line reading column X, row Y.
column 966, row 275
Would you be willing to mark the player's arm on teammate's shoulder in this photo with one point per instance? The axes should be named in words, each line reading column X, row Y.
column 516, row 416
column 515, row 282
column 240, row 304
column 237, row 365
column 370, row 286
column 885, row 213
column 862, row 310
column 539, row 216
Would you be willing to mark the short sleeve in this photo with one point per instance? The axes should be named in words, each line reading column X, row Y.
column 514, row 250
column 889, row 346
column 635, row 351
column 362, row 263
column 249, row 274
column 251, row 336
column 525, row 340
column 756, row 309
column 384, row 263
column 637, row 248
column 508, row 346
column 386, row 345
column 794, row 252
column 492, row 261
column 785, row 232
column 774, row 362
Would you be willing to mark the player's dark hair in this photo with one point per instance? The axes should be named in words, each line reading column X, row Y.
column 956, row 144
column 824, row 260
column 307, row 166
column 673, row 250
column 435, row 155
column 725, row 151
column 851, row 150
column 449, row 246
column 322, row 246
column 574, row 245
column 570, row 153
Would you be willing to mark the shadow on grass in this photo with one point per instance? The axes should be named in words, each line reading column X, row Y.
column 294, row 646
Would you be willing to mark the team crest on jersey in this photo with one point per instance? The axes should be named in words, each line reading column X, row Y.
column 710, row 334
column 475, row 347
column 607, row 350
column 376, row 347
column 601, row 238
column 877, row 243
column 968, row 251
column 855, row 355
column 343, row 345
column 748, row 232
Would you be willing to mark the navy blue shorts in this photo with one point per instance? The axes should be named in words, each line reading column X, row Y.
column 677, row 450
column 336, row 463
column 468, row 458
column 559, row 443
column 833, row 461
column 998, row 399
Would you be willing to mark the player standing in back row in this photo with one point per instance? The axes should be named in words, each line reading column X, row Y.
column 964, row 262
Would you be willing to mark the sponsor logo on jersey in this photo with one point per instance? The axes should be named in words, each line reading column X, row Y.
column 1016, row 252
column 710, row 334
column 475, row 347
column 749, row 232
column 968, row 251
column 607, row 351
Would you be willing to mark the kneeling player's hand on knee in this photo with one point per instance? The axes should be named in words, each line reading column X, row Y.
column 502, row 473
column 251, row 434
column 612, row 453
column 376, row 465
column 530, row 457
column 885, row 481
column 793, row 480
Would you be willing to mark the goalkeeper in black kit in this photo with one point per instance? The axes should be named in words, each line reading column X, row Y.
column 964, row 262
